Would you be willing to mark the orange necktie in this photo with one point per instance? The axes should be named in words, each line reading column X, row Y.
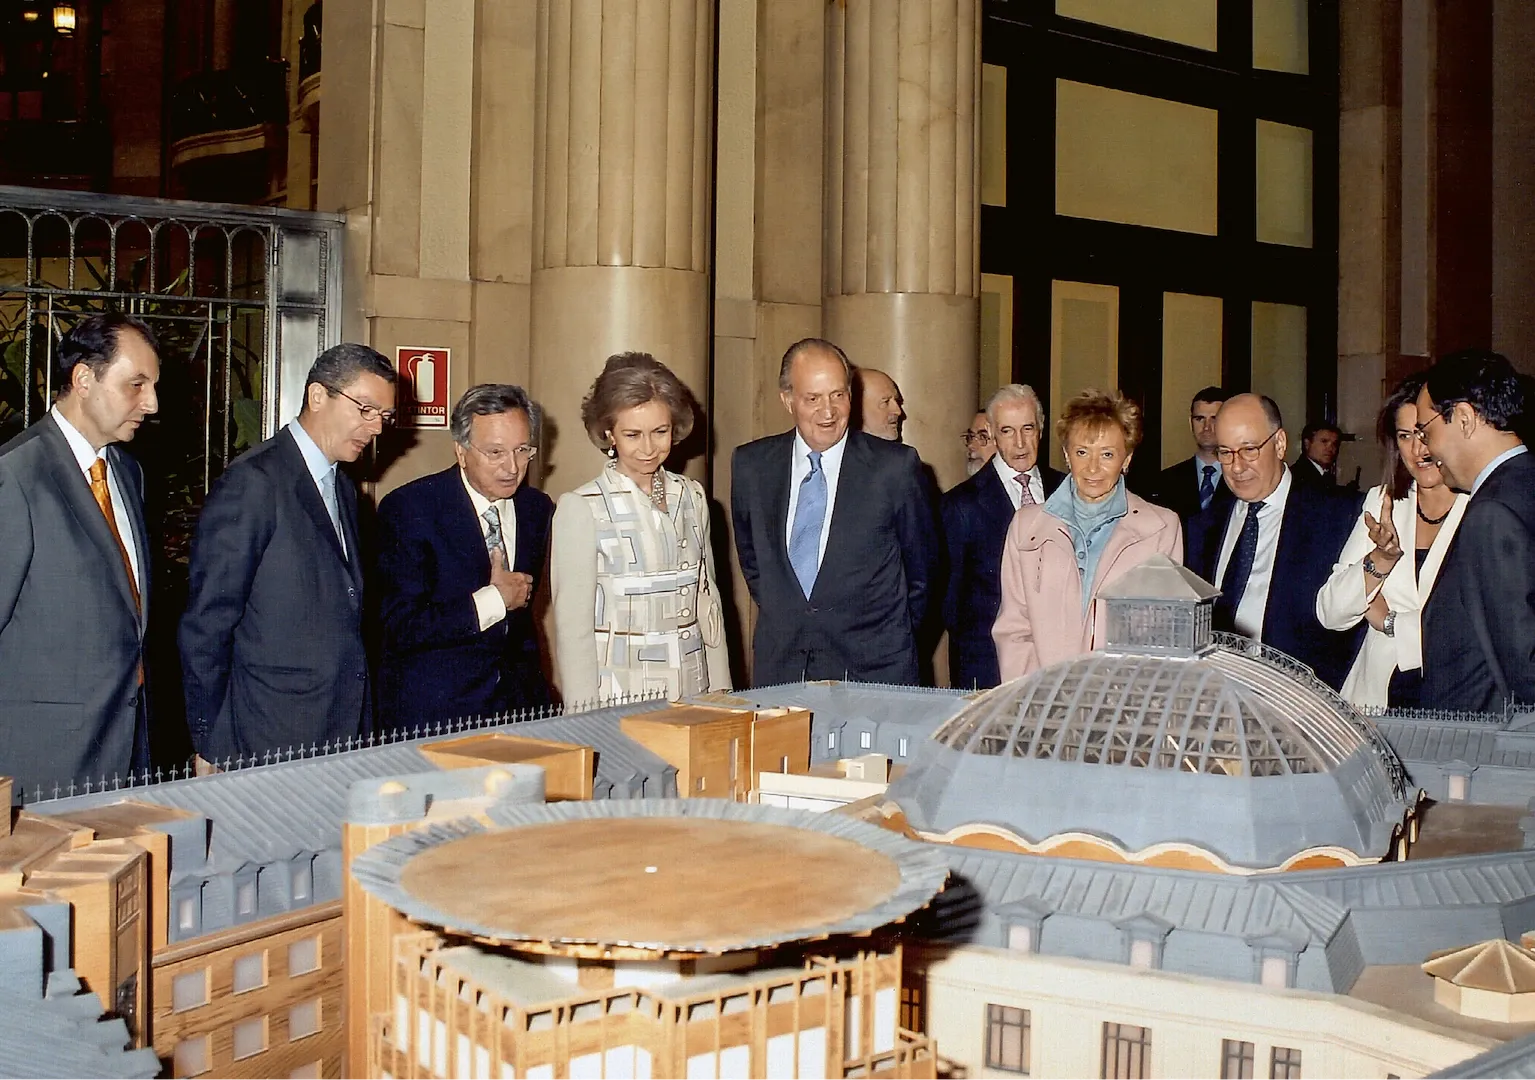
column 104, row 500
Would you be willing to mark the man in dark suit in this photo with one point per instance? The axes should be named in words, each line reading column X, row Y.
column 1479, row 622
column 836, row 534
column 461, row 553
column 976, row 514
column 1318, row 461
column 271, row 642
column 1271, row 549
column 74, row 567
column 1195, row 482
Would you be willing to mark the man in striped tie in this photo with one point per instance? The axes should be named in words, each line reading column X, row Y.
column 74, row 567
column 836, row 533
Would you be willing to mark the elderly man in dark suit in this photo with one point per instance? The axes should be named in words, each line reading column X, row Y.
column 836, row 534
column 74, row 566
column 976, row 514
column 1479, row 624
column 461, row 553
column 271, row 642
column 1195, row 482
column 1275, row 546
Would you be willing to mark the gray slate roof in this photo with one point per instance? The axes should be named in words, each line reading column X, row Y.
column 1474, row 743
column 1515, row 1060
column 63, row 1034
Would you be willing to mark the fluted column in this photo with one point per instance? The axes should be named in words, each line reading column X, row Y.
column 903, row 206
column 621, row 198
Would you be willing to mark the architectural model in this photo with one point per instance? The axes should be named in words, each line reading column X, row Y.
column 1180, row 856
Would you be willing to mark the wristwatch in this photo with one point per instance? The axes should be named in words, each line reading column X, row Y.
column 1388, row 624
column 1369, row 568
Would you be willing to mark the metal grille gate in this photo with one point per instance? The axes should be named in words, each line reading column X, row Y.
column 242, row 299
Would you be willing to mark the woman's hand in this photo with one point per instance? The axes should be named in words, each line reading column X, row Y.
column 1382, row 532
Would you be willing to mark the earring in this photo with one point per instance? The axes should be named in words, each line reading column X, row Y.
column 612, row 452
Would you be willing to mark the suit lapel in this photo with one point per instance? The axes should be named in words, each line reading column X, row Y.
column 82, row 504
column 780, row 466
column 463, row 527
column 130, row 484
column 1440, row 548
column 995, row 504
column 308, row 493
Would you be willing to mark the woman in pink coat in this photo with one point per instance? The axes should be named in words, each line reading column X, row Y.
column 1059, row 555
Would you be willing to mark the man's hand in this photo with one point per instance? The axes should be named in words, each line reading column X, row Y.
column 515, row 588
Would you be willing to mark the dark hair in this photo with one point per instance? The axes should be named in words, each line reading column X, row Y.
column 1310, row 431
column 491, row 399
column 1210, row 395
column 793, row 352
column 630, row 379
column 340, row 365
column 93, row 341
column 1097, row 409
column 1397, row 478
column 1481, row 378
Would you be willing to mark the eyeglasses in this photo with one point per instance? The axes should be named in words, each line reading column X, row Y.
column 1420, row 431
column 982, row 438
column 370, row 413
column 499, row 455
column 1247, row 453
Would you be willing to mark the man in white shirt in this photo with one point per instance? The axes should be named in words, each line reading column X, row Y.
column 836, row 534
column 461, row 553
column 1274, row 547
column 75, row 567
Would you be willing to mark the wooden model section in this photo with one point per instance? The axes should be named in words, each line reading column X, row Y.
column 568, row 768
column 721, row 752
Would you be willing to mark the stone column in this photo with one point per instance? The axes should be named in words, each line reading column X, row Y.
column 621, row 200
column 903, row 207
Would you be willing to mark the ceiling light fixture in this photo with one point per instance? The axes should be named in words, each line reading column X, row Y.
column 64, row 18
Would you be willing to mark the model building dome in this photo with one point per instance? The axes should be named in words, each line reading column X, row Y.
column 1188, row 749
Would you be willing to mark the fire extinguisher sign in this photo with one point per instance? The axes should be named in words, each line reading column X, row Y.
column 423, row 387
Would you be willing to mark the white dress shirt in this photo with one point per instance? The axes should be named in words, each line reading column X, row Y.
column 1249, row 613
column 85, row 457
column 1013, row 488
column 831, row 465
column 489, row 605
column 322, row 470
column 1199, row 472
column 1512, row 452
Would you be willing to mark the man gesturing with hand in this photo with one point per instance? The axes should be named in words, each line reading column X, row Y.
column 461, row 553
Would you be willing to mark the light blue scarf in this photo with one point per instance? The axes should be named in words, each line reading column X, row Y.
column 1089, row 525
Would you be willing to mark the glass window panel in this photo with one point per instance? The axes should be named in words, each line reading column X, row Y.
column 1281, row 36
column 993, row 135
column 303, row 1020
column 996, row 334
column 1134, row 159
column 1188, row 22
column 190, row 1058
column 1191, row 361
column 190, row 990
column 1279, row 362
column 1284, row 184
column 1084, row 344
column 249, row 972
column 306, row 1072
column 304, row 956
column 249, row 1038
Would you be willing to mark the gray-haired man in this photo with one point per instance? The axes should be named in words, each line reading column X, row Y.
column 461, row 553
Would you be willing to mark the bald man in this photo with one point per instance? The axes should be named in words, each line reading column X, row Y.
column 879, row 399
column 1271, row 549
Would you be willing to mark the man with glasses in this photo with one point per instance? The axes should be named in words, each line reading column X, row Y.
column 271, row 642
column 1479, row 623
column 1271, row 549
column 461, row 553
column 979, row 445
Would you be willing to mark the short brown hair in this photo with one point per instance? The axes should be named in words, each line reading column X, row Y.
column 1096, row 410
column 630, row 379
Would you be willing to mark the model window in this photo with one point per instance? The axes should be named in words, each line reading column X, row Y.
column 245, row 897
column 1236, row 1060
column 191, row 1056
column 1126, row 1052
column 831, row 740
column 304, row 956
column 865, row 739
column 1284, row 1063
column 190, row 990
column 303, row 1020
column 249, row 1038
column 302, row 875
column 186, row 914
column 1007, row 1039
column 249, row 972
column 904, row 746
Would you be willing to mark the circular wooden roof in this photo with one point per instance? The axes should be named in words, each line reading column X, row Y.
column 653, row 877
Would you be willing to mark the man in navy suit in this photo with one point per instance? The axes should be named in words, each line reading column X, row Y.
column 836, row 534
column 1195, row 482
column 74, row 567
column 461, row 553
column 271, row 642
column 1274, row 547
column 976, row 514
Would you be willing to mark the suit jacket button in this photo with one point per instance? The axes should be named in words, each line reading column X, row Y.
column 685, row 612
column 686, row 634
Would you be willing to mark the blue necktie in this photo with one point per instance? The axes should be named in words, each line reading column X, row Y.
column 805, row 536
column 332, row 507
column 1234, row 581
column 1207, row 487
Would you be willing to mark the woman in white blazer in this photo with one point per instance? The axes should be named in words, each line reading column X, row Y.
column 1389, row 563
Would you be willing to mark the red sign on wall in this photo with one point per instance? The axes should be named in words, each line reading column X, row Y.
column 423, row 388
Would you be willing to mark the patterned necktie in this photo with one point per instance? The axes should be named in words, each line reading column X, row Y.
column 1207, row 487
column 104, row 500
column 1027, row 498
column 1234, row 582
column 805, row 536
column 492, row 518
